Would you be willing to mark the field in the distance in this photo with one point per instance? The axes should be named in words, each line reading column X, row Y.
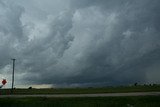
column 120, row 89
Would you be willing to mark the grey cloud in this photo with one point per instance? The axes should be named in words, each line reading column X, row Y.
column 10, row 30
column 114, row 48
column 45, row 52
column 129, row 50
column 92, row 43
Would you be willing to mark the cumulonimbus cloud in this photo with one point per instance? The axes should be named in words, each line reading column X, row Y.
column 90, row 42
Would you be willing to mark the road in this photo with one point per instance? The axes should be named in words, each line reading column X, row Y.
column 85, row 95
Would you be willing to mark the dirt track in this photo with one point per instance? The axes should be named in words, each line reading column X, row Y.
column 86, row 95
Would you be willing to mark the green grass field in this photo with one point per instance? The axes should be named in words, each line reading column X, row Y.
column 136, row 101
column 141, row 101
column 83, row 90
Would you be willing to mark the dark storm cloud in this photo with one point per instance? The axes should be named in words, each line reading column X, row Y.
column 110, row 4
column 134, row 34
column 91, row 43
column 10, row 30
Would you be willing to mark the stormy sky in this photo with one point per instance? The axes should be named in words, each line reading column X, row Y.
column 80, row 42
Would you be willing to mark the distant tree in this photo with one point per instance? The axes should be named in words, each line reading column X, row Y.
column 30, row 88
column 135, row 84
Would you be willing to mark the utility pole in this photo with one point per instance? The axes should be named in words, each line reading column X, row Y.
column 13, row 75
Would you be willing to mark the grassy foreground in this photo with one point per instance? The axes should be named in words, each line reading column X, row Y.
column 120, row 89
column 140, row 101
column 135, row 101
